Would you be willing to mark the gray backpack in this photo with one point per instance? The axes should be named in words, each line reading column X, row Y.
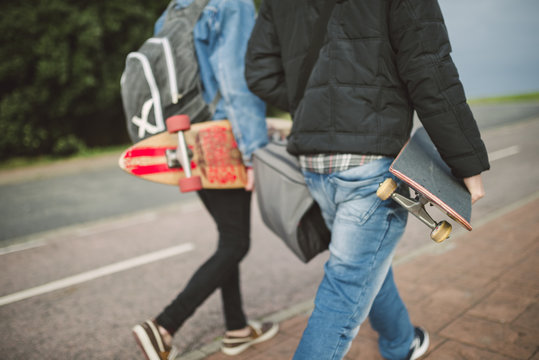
column 286, row 206
column 162, row 78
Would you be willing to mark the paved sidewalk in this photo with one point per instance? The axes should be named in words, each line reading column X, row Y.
column 477, row 295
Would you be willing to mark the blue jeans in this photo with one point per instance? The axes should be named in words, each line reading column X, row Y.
column 358, row 279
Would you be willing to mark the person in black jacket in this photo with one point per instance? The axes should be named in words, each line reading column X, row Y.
column 381, row 60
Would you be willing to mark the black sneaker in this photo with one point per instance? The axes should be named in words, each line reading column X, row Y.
column 233, row 345
column 151, row 342
column 419, row 345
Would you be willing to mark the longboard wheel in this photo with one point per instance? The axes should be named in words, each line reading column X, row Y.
column 178, row 123
column 192, row 183
column 386, row 188
column 441, row 232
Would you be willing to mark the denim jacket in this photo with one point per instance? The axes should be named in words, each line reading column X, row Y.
column 221, row 36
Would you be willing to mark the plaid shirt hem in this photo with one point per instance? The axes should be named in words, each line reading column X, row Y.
column 330, row 163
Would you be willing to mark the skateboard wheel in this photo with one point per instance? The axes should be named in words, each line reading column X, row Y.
column 178, row 123
column 188, row 184
column 386, row 188
column 441, row 232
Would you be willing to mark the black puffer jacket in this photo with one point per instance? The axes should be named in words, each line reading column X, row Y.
column 382, row 59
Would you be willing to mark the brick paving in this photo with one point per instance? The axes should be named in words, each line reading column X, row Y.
column 477, row 296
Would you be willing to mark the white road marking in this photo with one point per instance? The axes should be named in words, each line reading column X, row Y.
column 96, row 273
column 503, row 153
column 20, row 247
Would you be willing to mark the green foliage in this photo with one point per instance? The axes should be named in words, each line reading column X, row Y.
column 60, row 71
column 68, row 145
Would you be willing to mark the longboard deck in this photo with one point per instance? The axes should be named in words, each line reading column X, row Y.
column 216, row 157
column 420, row 166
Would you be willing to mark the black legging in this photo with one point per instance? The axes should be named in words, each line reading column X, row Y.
column 230, row 210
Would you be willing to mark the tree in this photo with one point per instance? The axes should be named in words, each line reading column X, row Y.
column 60, row 71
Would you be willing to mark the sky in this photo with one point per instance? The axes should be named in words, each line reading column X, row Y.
column 495, row 45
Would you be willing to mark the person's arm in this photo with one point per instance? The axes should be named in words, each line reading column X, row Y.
column 263, row 66
column 421, row 44
column 245, row 111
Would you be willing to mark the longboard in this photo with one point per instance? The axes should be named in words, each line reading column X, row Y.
column 209, row 148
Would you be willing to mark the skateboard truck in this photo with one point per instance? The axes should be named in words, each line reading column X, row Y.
column 178, row 124
column 440, row 230
column 173, row 161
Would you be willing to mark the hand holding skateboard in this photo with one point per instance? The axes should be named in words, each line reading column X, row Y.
column 421, row 167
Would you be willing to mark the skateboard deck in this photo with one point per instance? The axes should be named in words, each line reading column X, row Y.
column 212, row 151
column 278, row 129
column 421, row 167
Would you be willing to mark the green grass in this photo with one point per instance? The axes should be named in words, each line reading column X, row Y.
column 19, row 162
column 103, row 151
column 504, row 99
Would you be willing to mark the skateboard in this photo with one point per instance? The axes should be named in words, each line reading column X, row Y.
column 421, row 167
column 278, row 129
column 208, row 149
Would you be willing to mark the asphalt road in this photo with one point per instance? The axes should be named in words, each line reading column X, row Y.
column 89, row 253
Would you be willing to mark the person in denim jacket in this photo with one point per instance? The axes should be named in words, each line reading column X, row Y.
column 221, row 36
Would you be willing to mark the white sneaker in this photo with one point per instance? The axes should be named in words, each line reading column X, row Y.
column 151, row 342
column 233, row 345
column 419, row 345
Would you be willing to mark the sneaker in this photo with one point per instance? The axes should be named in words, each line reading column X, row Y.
column 151, row 342
column 232, row 345
column 420, row 344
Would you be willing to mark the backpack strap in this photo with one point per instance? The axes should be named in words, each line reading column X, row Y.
column 195, row 9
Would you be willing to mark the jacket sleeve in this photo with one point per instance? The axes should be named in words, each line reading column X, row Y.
column 264, row 71
column 421, row 44
column 245, row 111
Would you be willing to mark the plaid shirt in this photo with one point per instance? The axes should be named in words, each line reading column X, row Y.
column 329, row 163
